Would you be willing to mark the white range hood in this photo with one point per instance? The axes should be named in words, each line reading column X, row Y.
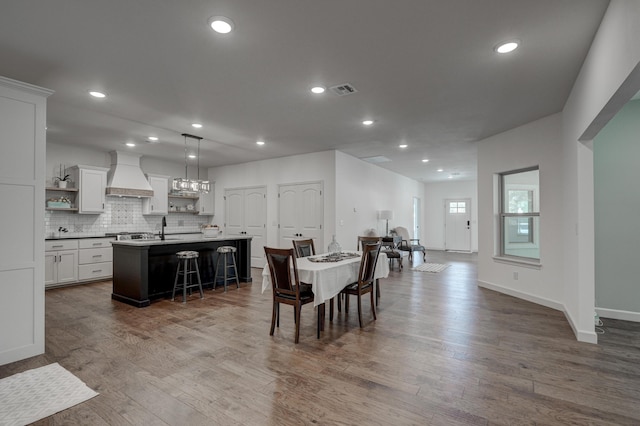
column 125, row 178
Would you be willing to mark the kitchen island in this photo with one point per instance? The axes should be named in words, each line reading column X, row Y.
column 144, row 270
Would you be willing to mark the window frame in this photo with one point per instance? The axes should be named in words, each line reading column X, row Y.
column 504, row 216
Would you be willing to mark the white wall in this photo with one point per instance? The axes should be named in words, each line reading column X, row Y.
column 361, row 190
column 604, row 85
column 270, row 173
column 435, row 195
column 349, row 183
column 616, row 173
column 534, row 144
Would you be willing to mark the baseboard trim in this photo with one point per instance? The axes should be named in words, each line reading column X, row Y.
column 581, row 335
column 618, row 314
column 522, row 295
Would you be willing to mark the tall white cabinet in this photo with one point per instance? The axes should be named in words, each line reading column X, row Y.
column 22, row 183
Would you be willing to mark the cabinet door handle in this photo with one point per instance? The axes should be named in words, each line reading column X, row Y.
column 58, row 246
column 97, row 255
column 96, row 271
column 97, row 244
column 60, row 258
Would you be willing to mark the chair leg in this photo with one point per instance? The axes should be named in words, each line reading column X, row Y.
column 424, row 256
column 320, row 319
column 377, row 291
column 360, row 309
column 297, row 310
column 339, row 302
column 277, row 314
column 346, row 303
column 373, row 307
column 273, row 318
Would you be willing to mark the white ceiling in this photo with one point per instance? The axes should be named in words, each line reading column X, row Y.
column 425, row 70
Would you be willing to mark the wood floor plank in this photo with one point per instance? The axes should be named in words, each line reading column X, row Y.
column 442, row 352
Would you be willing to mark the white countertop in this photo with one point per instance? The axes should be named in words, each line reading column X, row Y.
column 169, row 239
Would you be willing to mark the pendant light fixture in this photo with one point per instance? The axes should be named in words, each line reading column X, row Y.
column 186, row 185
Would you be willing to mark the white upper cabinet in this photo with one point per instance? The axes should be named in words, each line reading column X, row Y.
column 159, row 203
column 92, row 183
column 205, row 204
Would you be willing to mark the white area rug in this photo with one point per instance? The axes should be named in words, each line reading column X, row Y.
column 431, row 267
column 38, row 393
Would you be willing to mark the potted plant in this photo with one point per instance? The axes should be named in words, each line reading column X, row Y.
column 62, row 179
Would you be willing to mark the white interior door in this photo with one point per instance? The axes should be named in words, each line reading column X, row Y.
column 246, row 215
column 458, row 225
column 301, row 208
column 233, row 211
column 255, row 223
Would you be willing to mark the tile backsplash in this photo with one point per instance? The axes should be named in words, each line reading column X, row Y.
column 121, row 215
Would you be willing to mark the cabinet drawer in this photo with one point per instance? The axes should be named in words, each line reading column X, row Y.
column 56, row 245
column 94, row 242
column 95, row 255
column 95, row 270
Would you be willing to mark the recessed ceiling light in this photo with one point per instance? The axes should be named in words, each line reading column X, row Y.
column 367, row 122
column 131, row 144
column 97, row 94
column 404, row 145
column 192, row 156
column 507, row 46
column 450, row 177
column 221, row 24
column 317, row 90
column 425, row 160
column 153, row 138
column 260, row 142
column 197, row 125
column 441, row 170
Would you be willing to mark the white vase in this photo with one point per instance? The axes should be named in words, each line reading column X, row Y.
column 62, row 184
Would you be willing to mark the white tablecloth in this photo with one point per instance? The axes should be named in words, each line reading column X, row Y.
column 327, row 279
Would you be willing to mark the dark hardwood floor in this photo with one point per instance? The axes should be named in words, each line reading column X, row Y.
column 442, row 352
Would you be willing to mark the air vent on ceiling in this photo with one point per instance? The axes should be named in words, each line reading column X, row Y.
column 343, row 89
column 376, row 159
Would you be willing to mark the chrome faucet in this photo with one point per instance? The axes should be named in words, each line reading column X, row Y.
column 164, row 224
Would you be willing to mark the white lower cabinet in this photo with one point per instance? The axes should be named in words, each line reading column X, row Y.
column 95, row 259
column 60, row 262
column 71, row 261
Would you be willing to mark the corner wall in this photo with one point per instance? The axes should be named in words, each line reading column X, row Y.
column 534, row 144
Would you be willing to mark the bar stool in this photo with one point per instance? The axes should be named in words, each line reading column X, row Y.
column 223, row 253
column 189, row 261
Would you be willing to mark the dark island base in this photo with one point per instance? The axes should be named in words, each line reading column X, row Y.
column 142, row 273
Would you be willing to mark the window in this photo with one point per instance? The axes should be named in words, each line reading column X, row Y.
column 520, row 214
column 458, row 207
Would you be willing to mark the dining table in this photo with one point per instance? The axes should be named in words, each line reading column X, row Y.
column 329, row 276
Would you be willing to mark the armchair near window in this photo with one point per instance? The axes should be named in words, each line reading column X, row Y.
column 410, row 244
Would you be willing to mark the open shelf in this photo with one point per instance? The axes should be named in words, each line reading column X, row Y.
column 62, row 209
column 55, row 188
column 184, row 197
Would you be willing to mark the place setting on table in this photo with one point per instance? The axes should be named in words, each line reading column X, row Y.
column 329, row 274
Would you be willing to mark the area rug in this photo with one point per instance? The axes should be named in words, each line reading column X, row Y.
column 38, row 393
column 431, row 267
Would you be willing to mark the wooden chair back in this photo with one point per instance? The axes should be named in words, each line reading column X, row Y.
column 304, row 248
column 282, row 263
column 362, row 241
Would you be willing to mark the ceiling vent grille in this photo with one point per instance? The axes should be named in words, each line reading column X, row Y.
column 375, row 160
column 343, row 89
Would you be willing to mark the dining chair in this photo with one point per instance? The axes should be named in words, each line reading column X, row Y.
column 286, row 288
column 366, row 280
column 367, row 240
column 304, row 248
